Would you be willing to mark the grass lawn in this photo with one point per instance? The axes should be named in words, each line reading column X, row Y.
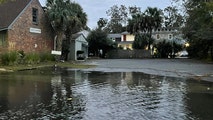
column 12, row 68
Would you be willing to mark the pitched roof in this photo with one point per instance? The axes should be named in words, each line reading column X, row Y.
column 10, row 10
column 114, row 35
column 75, row 36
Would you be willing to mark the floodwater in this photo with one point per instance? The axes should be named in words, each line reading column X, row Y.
column 59, row 93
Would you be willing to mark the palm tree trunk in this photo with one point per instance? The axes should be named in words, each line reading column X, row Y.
column 150, row 37
column 59, row 41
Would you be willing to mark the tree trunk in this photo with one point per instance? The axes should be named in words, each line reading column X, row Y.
column 211, row 52
column 150, row 38
column 59, row 41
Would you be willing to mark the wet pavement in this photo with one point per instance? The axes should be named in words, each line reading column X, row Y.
column 186, row 68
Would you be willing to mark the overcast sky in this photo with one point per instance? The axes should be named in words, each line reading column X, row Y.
column 96, row 9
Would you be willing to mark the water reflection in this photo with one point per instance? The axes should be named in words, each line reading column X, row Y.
column 56, row 93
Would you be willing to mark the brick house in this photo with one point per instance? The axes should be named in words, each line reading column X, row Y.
column 23, row 26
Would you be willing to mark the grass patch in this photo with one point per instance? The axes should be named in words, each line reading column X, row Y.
column 19, row 67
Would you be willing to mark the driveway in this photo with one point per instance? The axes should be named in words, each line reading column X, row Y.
column 186, row 68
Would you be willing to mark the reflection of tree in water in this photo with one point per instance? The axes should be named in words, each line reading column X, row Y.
column 63, row 104
column 47, row 95
column 199, row 99
column 3, row 95
column 146, row 80
column 113, row 79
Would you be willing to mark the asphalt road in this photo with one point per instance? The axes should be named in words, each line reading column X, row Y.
column 186, row 68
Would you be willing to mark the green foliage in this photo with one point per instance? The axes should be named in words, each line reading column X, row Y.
column 66, row 18
column 141, row 41
column 98, row 40
column 199, row 28
column 19, row 57
column 145, row 22
column 172, row 17
column 118, row 16
column 164, row 48
column 9, row 58
column 44, row 57
column 32, row 58
column 102, row 23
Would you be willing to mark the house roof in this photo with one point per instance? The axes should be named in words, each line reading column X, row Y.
column 85, row 33
column 75, row 36
column 125, row 33
column 10, row 10
column 114, row 35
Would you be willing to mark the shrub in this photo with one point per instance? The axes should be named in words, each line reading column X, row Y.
column 10, row 58
column 32, row 58
column 46, row 57
column 19, row 57
column 5, row 59
column 166, row 48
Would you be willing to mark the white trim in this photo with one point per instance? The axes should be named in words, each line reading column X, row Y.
column 10, row 26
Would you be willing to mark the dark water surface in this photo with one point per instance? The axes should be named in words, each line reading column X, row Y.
column 56, row 93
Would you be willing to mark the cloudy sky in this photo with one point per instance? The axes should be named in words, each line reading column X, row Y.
column 96, row 9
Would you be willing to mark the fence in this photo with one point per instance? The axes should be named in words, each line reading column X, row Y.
column 128, row 54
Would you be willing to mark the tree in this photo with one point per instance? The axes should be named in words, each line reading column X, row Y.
column 118, row 18
column 77, row 19
column 165, row 48
column 153, row 20
column 145, row 22
column 76, row 22
column 172, row 18
column 199, row 28
column 141, row 41
column 58, row 16
column 102, row 22
column 98, row 40
column 133, row 10
column 66, row 18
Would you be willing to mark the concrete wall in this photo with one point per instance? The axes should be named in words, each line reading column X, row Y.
column 128, row 54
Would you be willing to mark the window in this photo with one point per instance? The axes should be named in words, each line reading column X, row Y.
column 2, row 39
column 170, row 36
column 35, row 15
column 158, row 36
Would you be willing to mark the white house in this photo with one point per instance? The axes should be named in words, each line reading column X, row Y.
column 78, row 47
column 168, row 34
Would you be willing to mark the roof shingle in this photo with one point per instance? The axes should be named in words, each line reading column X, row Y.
column 10, row 10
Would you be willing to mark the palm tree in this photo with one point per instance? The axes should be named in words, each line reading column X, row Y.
column 58, row 16
column 145, row 22
column 66, row 18
column 76, row 21
column 152, row 20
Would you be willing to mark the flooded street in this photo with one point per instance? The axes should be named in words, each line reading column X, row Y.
column 60, row 93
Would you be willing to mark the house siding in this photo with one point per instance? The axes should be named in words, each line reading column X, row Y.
column 20, row 37
column 128, row 37
column 78, row 44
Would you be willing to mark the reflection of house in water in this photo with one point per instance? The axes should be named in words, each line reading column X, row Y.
column 126, row 77
column 80, row 76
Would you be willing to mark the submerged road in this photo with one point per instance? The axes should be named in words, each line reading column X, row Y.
column 186, row 68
